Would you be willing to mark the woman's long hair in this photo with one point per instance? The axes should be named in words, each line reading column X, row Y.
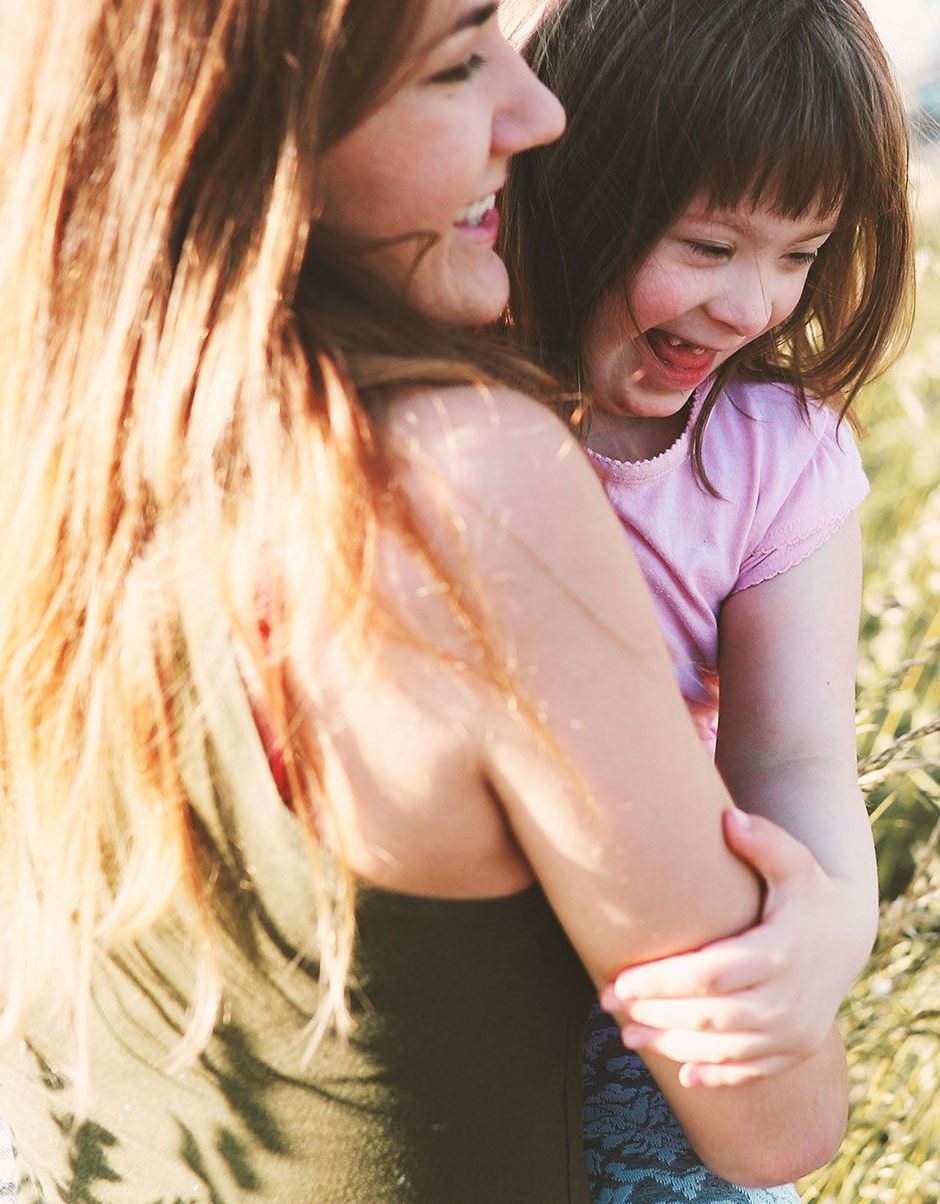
column 190, row 479
column 791, row 103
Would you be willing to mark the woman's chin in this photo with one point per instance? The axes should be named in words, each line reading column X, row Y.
column 470, row 295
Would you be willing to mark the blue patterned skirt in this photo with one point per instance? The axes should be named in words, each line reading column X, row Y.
column 634, row 1148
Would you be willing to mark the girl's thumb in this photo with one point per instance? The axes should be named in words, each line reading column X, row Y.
column 765, row 846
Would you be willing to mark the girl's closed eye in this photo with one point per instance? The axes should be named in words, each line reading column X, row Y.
column 709, row 250
column 719, row 252
column 461, row 72
column 804, row 259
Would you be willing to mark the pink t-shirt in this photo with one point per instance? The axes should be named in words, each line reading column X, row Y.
column 786, row 480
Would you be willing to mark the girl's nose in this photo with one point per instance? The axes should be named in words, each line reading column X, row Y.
column 743, row 302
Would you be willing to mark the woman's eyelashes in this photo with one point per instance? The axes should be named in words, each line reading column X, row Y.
column 461, row 72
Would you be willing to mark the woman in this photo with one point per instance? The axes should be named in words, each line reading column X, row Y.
column 319, row 815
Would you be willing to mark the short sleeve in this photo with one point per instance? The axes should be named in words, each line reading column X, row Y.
column 825, row 491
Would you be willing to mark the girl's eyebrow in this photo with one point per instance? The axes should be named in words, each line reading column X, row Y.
column 822, row 233
column 743, row 227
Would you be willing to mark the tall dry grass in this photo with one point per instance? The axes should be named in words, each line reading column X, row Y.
column 891, row 1020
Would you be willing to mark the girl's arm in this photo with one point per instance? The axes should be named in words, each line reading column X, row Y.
column 786, row 749
column 786, row 741
column 635, row 867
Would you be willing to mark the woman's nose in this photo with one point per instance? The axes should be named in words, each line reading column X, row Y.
column 530, row 116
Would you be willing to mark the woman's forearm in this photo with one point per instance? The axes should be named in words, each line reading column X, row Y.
column 769, row 1131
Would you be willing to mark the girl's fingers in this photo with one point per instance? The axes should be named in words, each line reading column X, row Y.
column 710, row 1048
column 745, row 1012
column 732, row 1074
column 778, row 857
column 734, row 964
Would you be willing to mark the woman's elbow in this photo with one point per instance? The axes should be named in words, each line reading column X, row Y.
column 767, row 1160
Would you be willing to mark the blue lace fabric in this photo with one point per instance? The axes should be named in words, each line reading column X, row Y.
column 634, row 1148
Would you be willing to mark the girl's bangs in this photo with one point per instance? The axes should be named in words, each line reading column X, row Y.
column 800, row 165
column 793, row 124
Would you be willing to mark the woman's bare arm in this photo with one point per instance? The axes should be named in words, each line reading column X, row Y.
column 638, row 869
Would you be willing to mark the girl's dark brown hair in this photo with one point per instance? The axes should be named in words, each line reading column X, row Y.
column 786, row 102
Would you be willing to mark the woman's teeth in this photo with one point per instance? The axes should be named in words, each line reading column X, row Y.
column 472, row 215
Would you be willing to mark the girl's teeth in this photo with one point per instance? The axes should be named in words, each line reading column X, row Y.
column 474, row 214
column 674, row 342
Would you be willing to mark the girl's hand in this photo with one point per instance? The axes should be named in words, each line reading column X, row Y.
column 754, row 1004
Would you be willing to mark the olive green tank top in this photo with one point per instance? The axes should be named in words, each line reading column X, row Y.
column 461, row 1083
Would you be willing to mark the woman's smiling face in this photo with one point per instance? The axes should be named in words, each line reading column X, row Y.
column 425, row 167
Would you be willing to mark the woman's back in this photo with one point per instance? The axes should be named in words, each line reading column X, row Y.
column 460, row 1080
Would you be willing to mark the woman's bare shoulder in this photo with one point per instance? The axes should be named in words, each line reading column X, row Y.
column 500, row 456
column 463, row 427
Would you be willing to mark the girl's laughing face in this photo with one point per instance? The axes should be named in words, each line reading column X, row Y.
column 715, row 281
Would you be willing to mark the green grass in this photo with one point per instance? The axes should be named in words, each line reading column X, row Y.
column 892, row 1149
column 891, row 1021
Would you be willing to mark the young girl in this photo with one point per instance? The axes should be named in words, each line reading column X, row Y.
column 715, row 258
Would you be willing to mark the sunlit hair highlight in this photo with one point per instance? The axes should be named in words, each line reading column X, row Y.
column 786, row 103
column 190, row 376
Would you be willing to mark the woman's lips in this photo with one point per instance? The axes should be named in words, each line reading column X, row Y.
column 682, row 365
column 486, row 230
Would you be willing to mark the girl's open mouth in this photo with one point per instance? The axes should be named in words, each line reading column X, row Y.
column 683, row 364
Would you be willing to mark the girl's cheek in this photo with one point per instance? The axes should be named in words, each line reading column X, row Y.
column 660, row 300
column 789, row 303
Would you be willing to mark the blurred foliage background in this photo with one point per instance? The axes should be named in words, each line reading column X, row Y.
column 891, row 1020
